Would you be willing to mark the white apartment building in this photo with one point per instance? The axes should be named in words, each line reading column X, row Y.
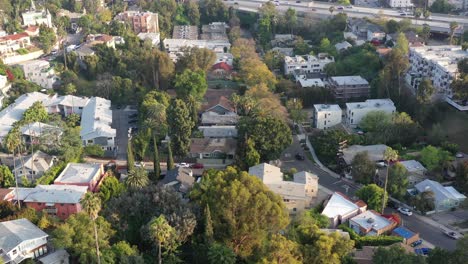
column 307, row 63
column 400, row 3
column 356, row 111
column 174, row 46
column 326, row 116
column 96, row 121
column 439, row 63
column 40, row 72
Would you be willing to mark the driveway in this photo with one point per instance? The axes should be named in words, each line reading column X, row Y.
column 120, row 123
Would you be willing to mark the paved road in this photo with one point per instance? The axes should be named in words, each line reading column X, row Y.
column 427, row 232
column 120, row 123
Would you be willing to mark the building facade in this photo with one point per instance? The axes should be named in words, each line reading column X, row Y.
column 35, row 17
column 355, row 112
column 175, row 47
column 349, row 87
column 400, row 3
column 307, row 63
column 141, row 22
column 11, row 43
column 96, row 122
column 326, row 116
column 82, row 174
column 41, row 73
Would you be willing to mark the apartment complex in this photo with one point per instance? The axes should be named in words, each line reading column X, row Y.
column 141, row 22
column 400, row 3
column 297, row 194
column 185, row 32
column 175, row 46
column 356, row 111
column 41, row 73
column 326, row 116
column 439, row 63
column 349, row 87
column 307, row 63
column 215, row 31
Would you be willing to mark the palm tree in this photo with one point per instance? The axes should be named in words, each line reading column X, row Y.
column 137, row 178
column 161, row 232
column 453, row 26
column 91, row 204
column 388, row 155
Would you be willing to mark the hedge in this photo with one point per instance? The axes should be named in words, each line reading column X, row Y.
column 370, row 240
column 51, row 174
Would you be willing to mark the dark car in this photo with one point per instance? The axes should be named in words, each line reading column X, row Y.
column 132, row 121
column 422, row 251
column 132, row 115
column 392, row 204
column 416, row 243
column 300, row 156
column 197, row 166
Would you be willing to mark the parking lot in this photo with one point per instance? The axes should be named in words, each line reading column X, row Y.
column 120, row 120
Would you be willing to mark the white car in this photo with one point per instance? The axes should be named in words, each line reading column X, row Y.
column 405, row 211
column 459, row 155
column 453, row 234
column 183, row 165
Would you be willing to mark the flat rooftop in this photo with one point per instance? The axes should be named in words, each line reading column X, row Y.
column 445, row 56
column 371, row 220
column 349, row 80
column 78, row 173
column 372, row 103
column 327, row 107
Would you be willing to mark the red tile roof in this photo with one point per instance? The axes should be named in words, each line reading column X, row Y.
column 15, row 36
column 222, row 66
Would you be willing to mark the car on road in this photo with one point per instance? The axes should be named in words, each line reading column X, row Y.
column 459, row 155
column 300, row 156
column 197, row 166
column 453, row 234
column 416, row 243
column 422, row 251
column 405, row 211
column 183, row 165
column 339, row 7
column 313, row 9
column 132, row 115
column 350, row 6
column 403, row 14
column 298, row 2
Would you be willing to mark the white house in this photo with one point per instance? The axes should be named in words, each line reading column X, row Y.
column 20, row 240
column 14, row 112
column 305, row 81
column 375, row 152
column 175, row 46
column 40, row 72
column 438, row 63
column 342, row 46
column 371, row 223
column 154, row 38
column 297, row 194
column 307, row 63
column 400, row 3
column 356, row 111
column 9, row 44
column 66, row 105
column 96, row 121
column 326, row 116
column 4, row 88
column 446, row 197
column 339, row 208
column 37, row 17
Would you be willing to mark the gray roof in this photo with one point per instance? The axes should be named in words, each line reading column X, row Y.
column 441, row 193
column 41, row 162
column 69, row 194
column 375, row 152
column 179, row 176
column 14, row 232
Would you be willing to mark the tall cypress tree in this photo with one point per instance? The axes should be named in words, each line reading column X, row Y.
column 130, row 157
column 156, row 166
column 208, row 234
column 170, row 159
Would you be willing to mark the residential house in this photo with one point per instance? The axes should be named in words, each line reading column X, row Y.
column 416, row 171
column 145, row 22
column 400, row 3
column 82, row 174
column 33, row 166
column 185, row 32
column 224, row 57
column 96, row 121
column 59, row 200
column 376, row 33
column 154, row 38
column 283, row 40
column 84, row 51
column 4, row 88
column 66, row 105
column 307, row 80
column 34, row 17
column 326, row 116
column 11, row 43
column 221, row 70
column 74, row 17
column 220, row 112
column 215, row 31
column 375, row 152
column 41, row 73
column 439, row 64
column 408, row 236
column 32, row 31
column 59, row 256
column 284, row 51
column 349, row 87
column 175, row 47
column 339, row 208
column 413, row 39
column 342, row 46
column 103, row 39
column 371, row 223
column 213, row 150
column 20, row 240
column 307, row 63
column 445, row 197
column 179, row 178
column 297, row 194
column 364, row 29
column 355, row 112
column 218, row 131
column 14, row 112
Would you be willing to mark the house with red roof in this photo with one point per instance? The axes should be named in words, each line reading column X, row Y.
column 221, row 70
column 11, row 43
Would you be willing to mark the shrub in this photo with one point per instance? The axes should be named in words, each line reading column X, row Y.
column 93, row 150
column 370, row 240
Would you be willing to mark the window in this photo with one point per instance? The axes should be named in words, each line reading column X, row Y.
column 62, row 204
column 294, row 209
column 90, row 141
column 39, row 203
column 14, row 252
column 325, row 122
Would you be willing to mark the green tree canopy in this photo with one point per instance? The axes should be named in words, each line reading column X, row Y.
column 110, row 187
column 363, row 168
column 395, row 254
column 244, row 211
column 397, row 180
column 191, row 83
column 180, row 126
column 6, row 177
column 372, row 195
column 375, row 120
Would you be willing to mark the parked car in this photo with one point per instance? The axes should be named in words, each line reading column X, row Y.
column 453, row 234
column 350, row 6
column 405, row 211
column 340, row 8
column 132, row 121
column 197, row 166
column 132, row 115
column 392, row 204
column 422, row 251
column 459, row 155
column 300, row 156
column 183, row 165
column 416, row 243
